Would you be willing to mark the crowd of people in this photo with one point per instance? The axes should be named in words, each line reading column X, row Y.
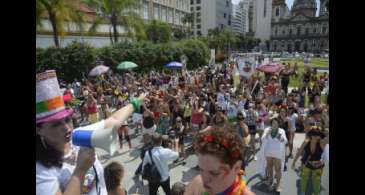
column 229, row 121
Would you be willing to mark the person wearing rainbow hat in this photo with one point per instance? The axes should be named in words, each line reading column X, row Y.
column 61, row 167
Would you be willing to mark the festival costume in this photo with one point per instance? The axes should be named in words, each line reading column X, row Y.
column 312, row 166
column 50, row 107
column 261, row 155
column 237, row 188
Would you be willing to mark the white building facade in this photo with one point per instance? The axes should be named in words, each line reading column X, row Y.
column 169, row 11
column 210, row 14
column 240, row 17
column 262, row 13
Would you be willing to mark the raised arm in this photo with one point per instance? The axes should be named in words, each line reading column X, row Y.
column 122, row 114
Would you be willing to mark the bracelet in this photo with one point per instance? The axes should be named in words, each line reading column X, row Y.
column 136, row 104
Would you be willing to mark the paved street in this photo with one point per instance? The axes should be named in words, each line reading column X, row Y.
column 184, row 173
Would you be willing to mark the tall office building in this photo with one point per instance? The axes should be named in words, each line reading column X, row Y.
column 240, row 16
column 170, row 11
column 210, row 14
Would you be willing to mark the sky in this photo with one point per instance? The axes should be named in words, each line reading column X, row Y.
column 288, row 2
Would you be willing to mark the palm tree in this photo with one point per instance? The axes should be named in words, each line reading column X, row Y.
column 229, row 38
column 158, row 32
column 59, row 12
column 214, row 39
column 118, row 12
column 39, row 11
column 188, row 19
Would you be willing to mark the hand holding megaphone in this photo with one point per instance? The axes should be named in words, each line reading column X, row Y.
column 85, row 159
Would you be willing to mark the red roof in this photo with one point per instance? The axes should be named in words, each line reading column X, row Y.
column 89, row 13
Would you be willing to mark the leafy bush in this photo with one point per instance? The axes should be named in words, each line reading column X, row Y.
column 69, row 62
column 77, row 58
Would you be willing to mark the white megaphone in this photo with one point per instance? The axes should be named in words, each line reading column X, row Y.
column 106, row 139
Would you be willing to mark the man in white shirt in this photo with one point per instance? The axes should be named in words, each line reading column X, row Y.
column 161, row 156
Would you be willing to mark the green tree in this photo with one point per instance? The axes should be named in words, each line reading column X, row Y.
column 59, row 12
column 158, row 32
column 196, row 51
column 267, row 44
column 229, row 38
column 187, row 20
column 70, row 62
column 214, row 39
column 241, row 42
column 178, row 33
column 118, row 12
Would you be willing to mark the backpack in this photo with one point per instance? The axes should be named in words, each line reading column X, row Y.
column 150, row 172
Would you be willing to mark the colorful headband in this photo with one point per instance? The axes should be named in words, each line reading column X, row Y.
column 208, row 138
column 224, row 143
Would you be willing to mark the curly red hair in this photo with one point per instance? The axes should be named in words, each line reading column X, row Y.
column 223, row 143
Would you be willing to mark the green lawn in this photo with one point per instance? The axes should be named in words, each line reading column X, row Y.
column 315, row 62
column 297, row 82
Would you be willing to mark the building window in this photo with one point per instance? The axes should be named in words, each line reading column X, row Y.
column 157, row 12
column 276, row 31
column 222, row 26
column 145, row 10
column 170, row 15
column 198, row 20
column 176, row 18
column 265, row 2
column 290, row 31
column 314, row 30
column 283, row 32
column 191, row 8
column 298, row 31
column 224, row 15
column 227, row 3
column 198, row 26
column 198, row 8
column 199, row 32
column 306, row 31
column 324, row 29
column 191, row 2
column 197, row 1
column 277, row 12
column 198, row 14
column 163, row 14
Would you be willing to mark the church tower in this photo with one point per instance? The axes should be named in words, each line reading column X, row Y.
column 279, row 10
column 305, row 7
column 324, row 7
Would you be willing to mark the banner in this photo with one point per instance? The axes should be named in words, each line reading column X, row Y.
column 232, row 111
column 212, row 58
column 246, row 66
column 221, row 100
column 236, row 78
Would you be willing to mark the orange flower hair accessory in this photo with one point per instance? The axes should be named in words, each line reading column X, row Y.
column 235, row 154
column 224, row 143
column 208, row 138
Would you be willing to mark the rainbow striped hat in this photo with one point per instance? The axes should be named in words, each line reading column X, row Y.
column 49, row 99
